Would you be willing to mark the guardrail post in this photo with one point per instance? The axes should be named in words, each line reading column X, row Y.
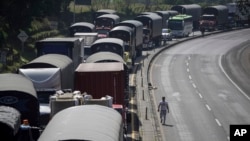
column 142, row 94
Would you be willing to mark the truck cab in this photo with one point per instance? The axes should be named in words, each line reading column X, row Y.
column 208, row 21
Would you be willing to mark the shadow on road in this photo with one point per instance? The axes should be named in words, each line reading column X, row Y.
column 169, row 125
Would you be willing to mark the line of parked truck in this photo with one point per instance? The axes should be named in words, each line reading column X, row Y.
column 92, row 65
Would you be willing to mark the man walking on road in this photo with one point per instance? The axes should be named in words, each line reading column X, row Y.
column 163, row 108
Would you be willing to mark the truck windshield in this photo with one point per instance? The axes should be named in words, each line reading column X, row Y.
column 146, row 31
column 125, row 36
column 107, row 47
column 104, row 22
column 103, row 31
column 209, row 18
column 175, row 24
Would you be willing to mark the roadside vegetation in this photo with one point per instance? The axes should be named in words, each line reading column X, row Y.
column 50, row 18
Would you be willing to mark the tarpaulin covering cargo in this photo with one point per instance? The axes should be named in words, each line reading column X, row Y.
column 105, row 57
column 81, row 27
column 102, row 12
column 50, row 61
column 137, row 26
column 18, row 92
column 114, row 45
column 10, row 121
column 152, row 22
column 86, row 122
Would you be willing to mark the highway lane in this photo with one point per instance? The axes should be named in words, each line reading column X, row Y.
column 203, row 101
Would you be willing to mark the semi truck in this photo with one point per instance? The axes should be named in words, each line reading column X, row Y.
column 69, row 46
column 214, row 17
column 138, row 31
column 48, row 73
column 194, row 10
column 101, row 79
column 126, row 34
column 102, row 12
column 104, row 23
column 165, row 15
column 152, row 26
column 19, row 93
column 81, row 27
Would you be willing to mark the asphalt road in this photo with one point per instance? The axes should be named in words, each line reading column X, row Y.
column 203, row 99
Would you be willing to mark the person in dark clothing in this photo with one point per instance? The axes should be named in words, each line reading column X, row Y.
column 202, row 29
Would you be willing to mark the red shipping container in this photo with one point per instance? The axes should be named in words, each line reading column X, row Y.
column 101, row 79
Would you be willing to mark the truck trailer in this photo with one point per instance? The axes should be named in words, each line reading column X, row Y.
column 48, row 73
column 101, row 79
column 138, row 31
column 104, row 23
column 19, row 93
column 102, row 12
column 214, row 17
column 126, row 34
column 69, row 46
column 81, row 27
column 152, row 26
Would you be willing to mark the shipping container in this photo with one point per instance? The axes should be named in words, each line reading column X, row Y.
column 110, row 57
column 70, row 46
column 101, row 79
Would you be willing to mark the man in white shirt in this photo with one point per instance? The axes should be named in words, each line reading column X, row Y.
column 163, row 108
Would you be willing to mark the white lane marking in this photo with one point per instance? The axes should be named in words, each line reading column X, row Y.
column 228, row 138
column 200, row 95
column 218, row 122
column 209, row 109
column 190, row 77
column 188, row 70
column 194, row 85
column 187, row 63
column 220, row 64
